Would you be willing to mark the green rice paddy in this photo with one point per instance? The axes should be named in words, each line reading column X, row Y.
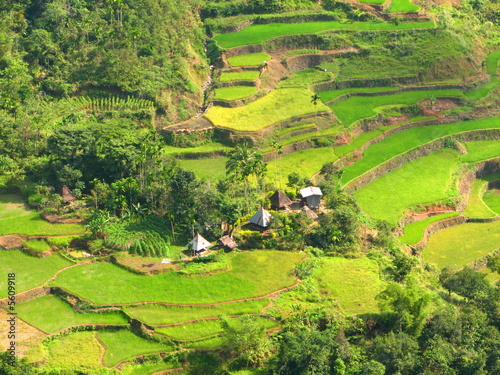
column 123, row 344
column 305, row 162
column 30, row 271
column 403, row 6
column 203, row 329
column 16, row 218
column 476, row 207
column 37, row 245
column 414, row 232
column 249, row 75
column 161, row 314
column 256, row 34
column 483, row 91
column 207, row 147
column 492, row 200
column 58, row 315
column 353, row 283
column 305, row 78
column 405, row 140
column 279, row 105
column 79, row 350
column 462, row 244
column 250, row 59
column 235, row 92
column 492, row 62
column 210, row 168
column 420, row 181
column 355, row 108
column 326, row 96
column 253, row 274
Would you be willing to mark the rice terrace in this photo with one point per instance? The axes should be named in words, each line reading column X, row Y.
column 247, row 187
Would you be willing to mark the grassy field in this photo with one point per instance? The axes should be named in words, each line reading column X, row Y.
column 354, row 283
column 305, row 162
column 249, row 75
column 356, row 143
column 462, row 244
column 235, row 92
column 420, row 181
column 160, row 314
column 476, row 207
column 326, row 96
column 483, row 91
column 328, row 132
column 77, row 350
column 58, row 315
column 256, row 34
column 403, row 6
column 253, row 274
column 207, row 147
column 414, row 232
column 148, row 368
column 250, row 59
column 205, row 168
column 355, row 108
column 403, row 141
column 202, row 329
column 492, row 62
column 276, row 106
column 492, row 200
column 123, row 344
column 30, row 271
column 305, row 78
column 37, row 245
column 16, row 218
column 481, row 150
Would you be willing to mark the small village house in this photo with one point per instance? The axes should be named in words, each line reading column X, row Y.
column 279, row 200
column 261, row 218
column 311, row 196
column 198, row 244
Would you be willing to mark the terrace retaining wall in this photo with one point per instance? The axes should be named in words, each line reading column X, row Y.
column 418, row 152
column 243, row 50
column 237, row 83
column 301, row 62
column 436, row 227
column 360, row 83
column 26, row 295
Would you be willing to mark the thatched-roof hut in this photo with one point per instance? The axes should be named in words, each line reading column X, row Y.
column 261, row 218
column 228, row 242
column 311, row 196
column 279, row 200
column 67, row 195
column 198, row 243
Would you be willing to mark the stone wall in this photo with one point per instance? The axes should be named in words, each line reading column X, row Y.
column 436, row 227
column 358, row 83
column 243, row 50
column 27, row 295
column 237, row 83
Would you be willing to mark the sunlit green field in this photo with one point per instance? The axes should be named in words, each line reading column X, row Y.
column 403, row 141
column 476, row 207
column 235, row 92
column 58, row 315
column 251, row 59
column 276, row 106
column 256, row 34
column 354, row 283
column 462, row 244
column 414, row 232
column 249, row 75
column 253, row 274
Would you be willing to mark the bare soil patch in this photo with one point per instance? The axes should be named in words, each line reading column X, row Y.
column 429, row 212
column 12, row 241
column 27, row 336
column 147, row 266
column 57, row 219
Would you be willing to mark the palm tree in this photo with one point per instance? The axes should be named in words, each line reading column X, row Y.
column 243, row 162
column 314, row 100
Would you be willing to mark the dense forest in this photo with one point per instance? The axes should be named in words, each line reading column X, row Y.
column 86, row 89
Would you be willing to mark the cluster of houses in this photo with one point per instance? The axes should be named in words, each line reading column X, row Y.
column 310, row 200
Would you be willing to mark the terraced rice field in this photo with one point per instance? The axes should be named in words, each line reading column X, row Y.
column 353, row 283
column 210, row 168
column 30, row 271
column 256, row 34
column 476, row 207
column 16, row 218
column 249, row 75
column 279, row 105
column 326, row 96
column 235, row 92
column 123, row 344
column 250, row 59
column 76, row 351
column 356, row 108
column 462, row 244
column 253, row 274
column 414, row 232
column 405, row 140
column 403, row 6
column 58, row 315
column 492, row 62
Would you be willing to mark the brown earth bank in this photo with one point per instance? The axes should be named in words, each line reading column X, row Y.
column 57, row 219
column 12, row 241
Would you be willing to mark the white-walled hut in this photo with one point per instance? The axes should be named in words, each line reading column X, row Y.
column 198, row 244
column 261, row 218
column 279, row 200
column 311, row 196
